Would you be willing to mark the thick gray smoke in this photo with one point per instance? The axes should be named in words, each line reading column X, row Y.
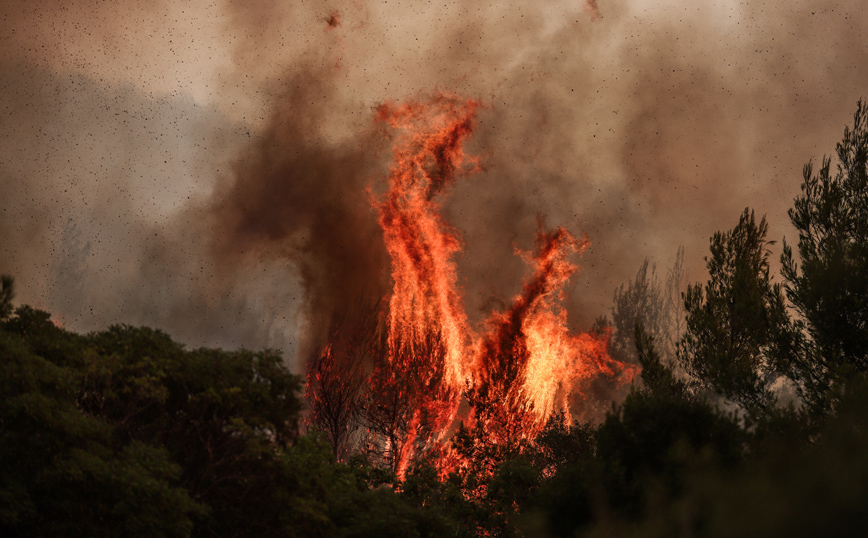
column 202, row 168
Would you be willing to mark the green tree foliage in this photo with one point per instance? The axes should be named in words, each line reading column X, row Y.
column 828, row 288
column 481, row 461
column 124, row 432
column 447, row 510
column 797, row 472
column 223, row 416
column 737, row 322
column 360, row 499
column 65, row 473
column 800, row 490
column 817, row 489
column 571, row 481
column 207, row 424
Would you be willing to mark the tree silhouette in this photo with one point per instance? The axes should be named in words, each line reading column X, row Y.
column 337, row 373
column 655, row 304
column 829, row 287
column 7, row 293
column 735, row 321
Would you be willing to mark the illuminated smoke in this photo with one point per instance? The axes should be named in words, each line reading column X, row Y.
column 128, row 128
column 516, row 374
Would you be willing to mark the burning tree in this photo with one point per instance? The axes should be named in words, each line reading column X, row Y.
column 406, row 404
column 338, row 372
column 519, row 370
column 529, row 361
column 428, row 157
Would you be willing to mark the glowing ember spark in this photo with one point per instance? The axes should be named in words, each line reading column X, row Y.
column 333, row 20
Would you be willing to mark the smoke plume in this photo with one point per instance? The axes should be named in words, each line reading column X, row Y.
column 202, row 168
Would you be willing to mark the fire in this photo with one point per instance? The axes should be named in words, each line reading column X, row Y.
column 515, row 371
column 428, row 158
column 528, row 353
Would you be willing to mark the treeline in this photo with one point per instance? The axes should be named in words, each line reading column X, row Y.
column 126, row 433
column 750, row 417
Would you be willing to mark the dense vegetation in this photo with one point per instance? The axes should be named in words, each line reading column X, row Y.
column 750, row 418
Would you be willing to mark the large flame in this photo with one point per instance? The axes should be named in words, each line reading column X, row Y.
column 428, row 157
column 522, row 365
column 529, row 360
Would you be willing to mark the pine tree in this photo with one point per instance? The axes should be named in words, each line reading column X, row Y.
column 829, row 287
column 737, row 321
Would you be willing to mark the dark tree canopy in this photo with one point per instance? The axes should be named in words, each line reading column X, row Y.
column 66, row 472
column 827, row 283
column 736, row 321
column 7, row 293
column 126, row 432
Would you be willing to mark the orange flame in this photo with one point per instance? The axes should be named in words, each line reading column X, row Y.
column 530, row 360
column 524, row 364
column 428, row 157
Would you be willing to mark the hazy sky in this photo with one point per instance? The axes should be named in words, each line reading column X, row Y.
column 201, row 166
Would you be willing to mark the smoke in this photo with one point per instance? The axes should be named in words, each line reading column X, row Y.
column 296, row 195
column 202, row 168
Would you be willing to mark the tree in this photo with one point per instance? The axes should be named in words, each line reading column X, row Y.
column 638, row 301
column 798, row 490
column 829, row 287
column 406, row 401
column 6, row 295
column 337, row 373
column 649, row 444
column 658, row 378
column 66, row 472
column 124, row 432
column 737, row 323
column 225, row 417
column 212, row 423
column 654, row 304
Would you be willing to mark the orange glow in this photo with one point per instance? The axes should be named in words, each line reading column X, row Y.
column 530, row 361
column 428, row 157
column 514, row 372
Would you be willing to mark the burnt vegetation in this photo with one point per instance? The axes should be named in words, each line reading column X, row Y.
column 753, row 397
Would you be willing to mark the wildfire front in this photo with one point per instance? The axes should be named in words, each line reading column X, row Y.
column 418, row 368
